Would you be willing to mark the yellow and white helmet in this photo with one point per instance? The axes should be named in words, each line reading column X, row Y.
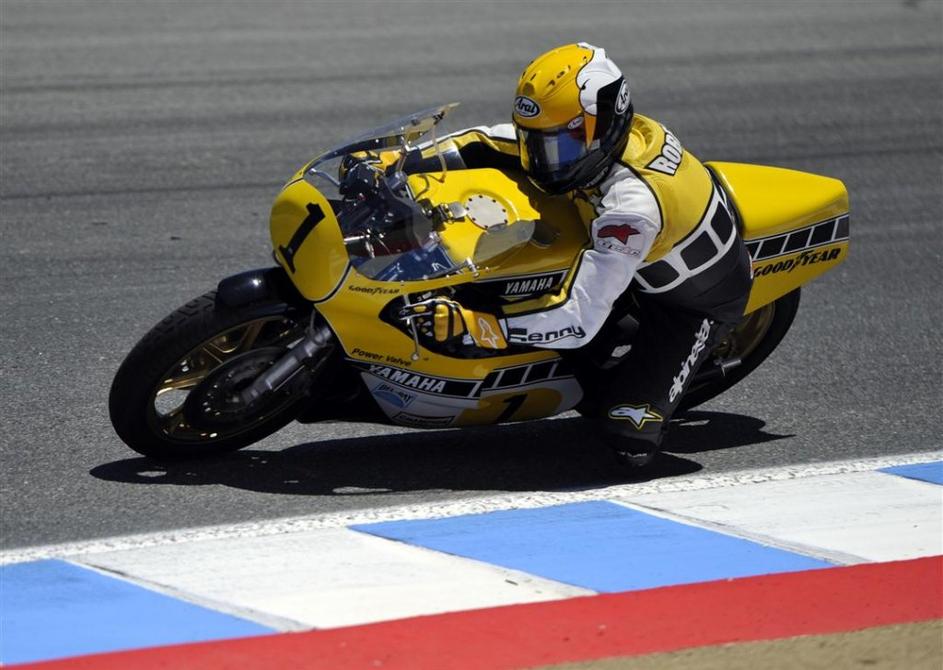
column 572, row 114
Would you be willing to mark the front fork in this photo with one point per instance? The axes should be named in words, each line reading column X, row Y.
column 310, row 352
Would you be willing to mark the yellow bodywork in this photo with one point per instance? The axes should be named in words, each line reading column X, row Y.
column 776, row 204
column 320, row 261
column 522, row 204
column 547, row 235
column 351, row 302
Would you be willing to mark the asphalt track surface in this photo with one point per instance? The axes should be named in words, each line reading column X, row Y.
column 142, row 144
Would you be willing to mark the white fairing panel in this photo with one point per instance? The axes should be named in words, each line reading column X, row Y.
column 410, row 398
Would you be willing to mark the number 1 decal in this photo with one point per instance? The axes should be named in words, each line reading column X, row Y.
column 315, row 215
column 513, row 404
column 536, row 403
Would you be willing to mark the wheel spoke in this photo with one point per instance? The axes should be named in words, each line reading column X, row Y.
column 185, row 377
column 215, row 352
column 249, row 336
column 174, row 421
column 184, row 382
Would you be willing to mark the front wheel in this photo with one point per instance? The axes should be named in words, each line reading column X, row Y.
column 176, row 394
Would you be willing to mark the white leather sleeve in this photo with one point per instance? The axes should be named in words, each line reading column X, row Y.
column 622, row 235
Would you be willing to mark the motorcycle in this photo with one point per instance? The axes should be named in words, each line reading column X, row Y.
column 392, row 218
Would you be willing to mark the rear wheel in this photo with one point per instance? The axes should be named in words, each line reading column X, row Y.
column 752, row 340
column 177, row 393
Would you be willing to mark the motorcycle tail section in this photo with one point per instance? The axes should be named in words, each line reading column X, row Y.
column 795, row 225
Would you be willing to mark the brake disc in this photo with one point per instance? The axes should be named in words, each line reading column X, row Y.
column 216, row 403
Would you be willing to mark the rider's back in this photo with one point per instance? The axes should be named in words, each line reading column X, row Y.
column 681, row 185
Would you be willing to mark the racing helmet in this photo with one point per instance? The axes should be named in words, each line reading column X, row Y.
column 572, row 113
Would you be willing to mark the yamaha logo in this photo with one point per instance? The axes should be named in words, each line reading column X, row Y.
column 524, row 106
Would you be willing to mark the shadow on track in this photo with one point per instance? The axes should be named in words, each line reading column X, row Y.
column 563, row 454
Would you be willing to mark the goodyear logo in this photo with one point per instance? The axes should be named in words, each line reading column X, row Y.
column 525, row 107
column 805, row 258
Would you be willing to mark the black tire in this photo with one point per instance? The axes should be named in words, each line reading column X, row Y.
column 191, row 341
column 778, row 317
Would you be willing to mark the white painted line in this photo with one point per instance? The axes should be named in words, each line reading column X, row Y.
column 849, row 518
column 326, row 578
column 527, row 500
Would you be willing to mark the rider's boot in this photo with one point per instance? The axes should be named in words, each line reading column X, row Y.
column 634, row 432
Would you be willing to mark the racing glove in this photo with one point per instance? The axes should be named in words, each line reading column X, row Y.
column 445, row 319
column 382, row 160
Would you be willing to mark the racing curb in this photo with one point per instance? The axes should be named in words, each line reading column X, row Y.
column 832, row 600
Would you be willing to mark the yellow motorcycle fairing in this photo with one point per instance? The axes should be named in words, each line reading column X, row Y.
column 498, row 206
column 795, row 225
column 435, row 390
column 307, row 241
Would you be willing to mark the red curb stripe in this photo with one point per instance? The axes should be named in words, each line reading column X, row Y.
column 622, row 624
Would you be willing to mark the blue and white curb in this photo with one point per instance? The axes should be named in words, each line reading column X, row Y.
column 374, row 565
column 55, row 609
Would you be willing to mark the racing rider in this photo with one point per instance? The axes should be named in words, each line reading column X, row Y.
column 656, row 218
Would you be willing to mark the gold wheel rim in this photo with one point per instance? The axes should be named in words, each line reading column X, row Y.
column 742, row 340
column 747, row 335
column 168, row 398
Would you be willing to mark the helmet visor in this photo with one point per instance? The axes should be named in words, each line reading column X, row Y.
column 552, row 155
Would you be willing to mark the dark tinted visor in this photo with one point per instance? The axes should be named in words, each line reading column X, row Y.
column 547, row 154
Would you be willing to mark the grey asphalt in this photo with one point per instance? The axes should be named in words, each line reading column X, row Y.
column 141, row 145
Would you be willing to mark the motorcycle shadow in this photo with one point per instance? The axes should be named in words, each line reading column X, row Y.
column 550, row 455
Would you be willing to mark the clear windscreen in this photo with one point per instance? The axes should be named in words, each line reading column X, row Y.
column 389, row 236
column 393, row 234
column 392, row 238
column 401, row 134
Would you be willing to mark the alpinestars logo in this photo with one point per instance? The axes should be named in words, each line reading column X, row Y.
column 621, row 238
column 638, row 415
column 486, row 333
column 622, row 232
column 700, row 341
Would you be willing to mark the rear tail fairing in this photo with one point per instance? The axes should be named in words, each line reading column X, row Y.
column 795, row 225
